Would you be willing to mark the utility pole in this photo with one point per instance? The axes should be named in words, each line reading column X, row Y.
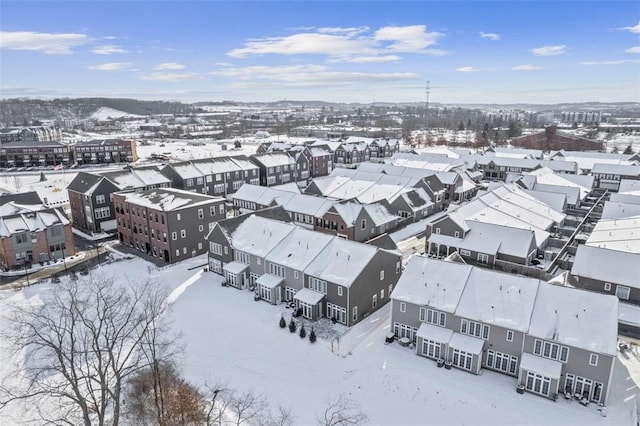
column 426, row 113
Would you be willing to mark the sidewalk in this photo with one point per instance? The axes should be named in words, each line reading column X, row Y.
column 40, row 273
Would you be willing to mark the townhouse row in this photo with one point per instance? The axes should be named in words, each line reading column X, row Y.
column 551, row 339
column 322, row 275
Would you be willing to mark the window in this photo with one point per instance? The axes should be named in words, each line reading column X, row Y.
column 622, row 292
column 431, row 349
column 317, row 285
column 382, row 275
column 241, row 257
column 277, row 270
column 433, row 317
column 215, row 248
column 473, row 328
column 398, row 267
column 212, row 210
column 550, row 350
column 200, row 213
column 390, row 289
column 221, row 210
column 607, row 286
column 56, row 231
column 403, row 307
column 177, row 216
column 465, row 252
column 593, row 359
column 339, row 290
column 100, row 199
column 183, row 233
column 456, row 234
column 382, row 294
column 509, row 336
column 174, row 236
column 201, row 228
column 438, row 231
column 189, row 182
column 374, row 301
column 199, row 246
column 102, row 212
column 258, row 261
column 354, row 316
column 483, row 258
column 363, row 224
column 226, row 250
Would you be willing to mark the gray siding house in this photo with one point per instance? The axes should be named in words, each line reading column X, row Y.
column 552, row 339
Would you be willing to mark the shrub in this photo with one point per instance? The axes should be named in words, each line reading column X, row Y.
column 312, row 336
column 283, row 323
column 303, row 332
column 292, row 326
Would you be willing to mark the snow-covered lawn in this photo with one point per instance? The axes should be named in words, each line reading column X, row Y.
column 228, row 337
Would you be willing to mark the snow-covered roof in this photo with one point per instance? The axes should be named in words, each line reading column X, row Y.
column 298, row 248
column 434, row 333
column 308, row 204
column 547, row 178
column 621, row 234
column 341, row 261
column 468, row 344
column 499, row 299
column 31, row 221
column 235, row 267
column 557, row 200
column 258, row 236
column 616, row 169
column 269, row 281
column 309, row 296
column 625, row 198
column 577, row 318
column 430, row 282
column 514, row 152
column 379, row 214
column 620, row 210
column 274, row 159
column 544, row 366
column 168, row 199
column 187, row 170
column 491, row 238
column 596, row 263
column 629, row 186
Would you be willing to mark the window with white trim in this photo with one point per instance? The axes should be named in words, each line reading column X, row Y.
column 100, row 199
column 509, row 336
column 476, row 329
column 102, row 212
column 607, row 286
column 433, row 317
column 215, row 248
column 403, row 307
column 622, row 292
column 200, row 213
column 382, row 294
column 550, row 350
column 465, row 252
column 363, row 224
column 593, row 359
column 317, row 285
column 183, row 233
column 178, row 216
column 382, row 275
column 201, row 228
column 339, row 290
column 354, row 316
column 277, row 270
column 483, row 258
column 374, row 301
column 174, row 236
column 241, row 257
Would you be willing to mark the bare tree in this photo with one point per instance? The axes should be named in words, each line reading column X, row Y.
column 82, row 345
column 247, row 406
column 342, row 411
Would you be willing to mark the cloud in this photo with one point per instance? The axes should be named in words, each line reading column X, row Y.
column 526, row 68
column 170, row 77
column 635, row 29
column 112, row 66
column 635, row 49
column 344, row 44
column 413, row 38
column 170, row 66
column 51, row 44
column 490, row 36
column 618, row 62
column 549, row 50
column 467, row 69
column 305, row 75
column 372, row 59
column 108, row 50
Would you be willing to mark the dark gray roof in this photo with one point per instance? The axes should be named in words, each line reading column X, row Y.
column 83, row 182
column 30, row 143
column 27, row 198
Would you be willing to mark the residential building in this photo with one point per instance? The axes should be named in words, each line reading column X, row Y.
column 166, row 223
column 551, row 339
column 33, row 153
column 101, row 151
column 32, row 233
column 279, row 168
column 552, row 139
column 608, row 176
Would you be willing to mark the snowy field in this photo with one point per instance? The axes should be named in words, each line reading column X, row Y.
column 228, row 337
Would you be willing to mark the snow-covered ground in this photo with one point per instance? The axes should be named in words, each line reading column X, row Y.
column 228, row 337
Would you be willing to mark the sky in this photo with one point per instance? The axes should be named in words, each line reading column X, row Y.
column 348, row 51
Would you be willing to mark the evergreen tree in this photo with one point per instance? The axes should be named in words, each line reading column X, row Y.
column 292, row 326
column 303, row 332
column 628, row 150
column 312, row 336
column 283, row 323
